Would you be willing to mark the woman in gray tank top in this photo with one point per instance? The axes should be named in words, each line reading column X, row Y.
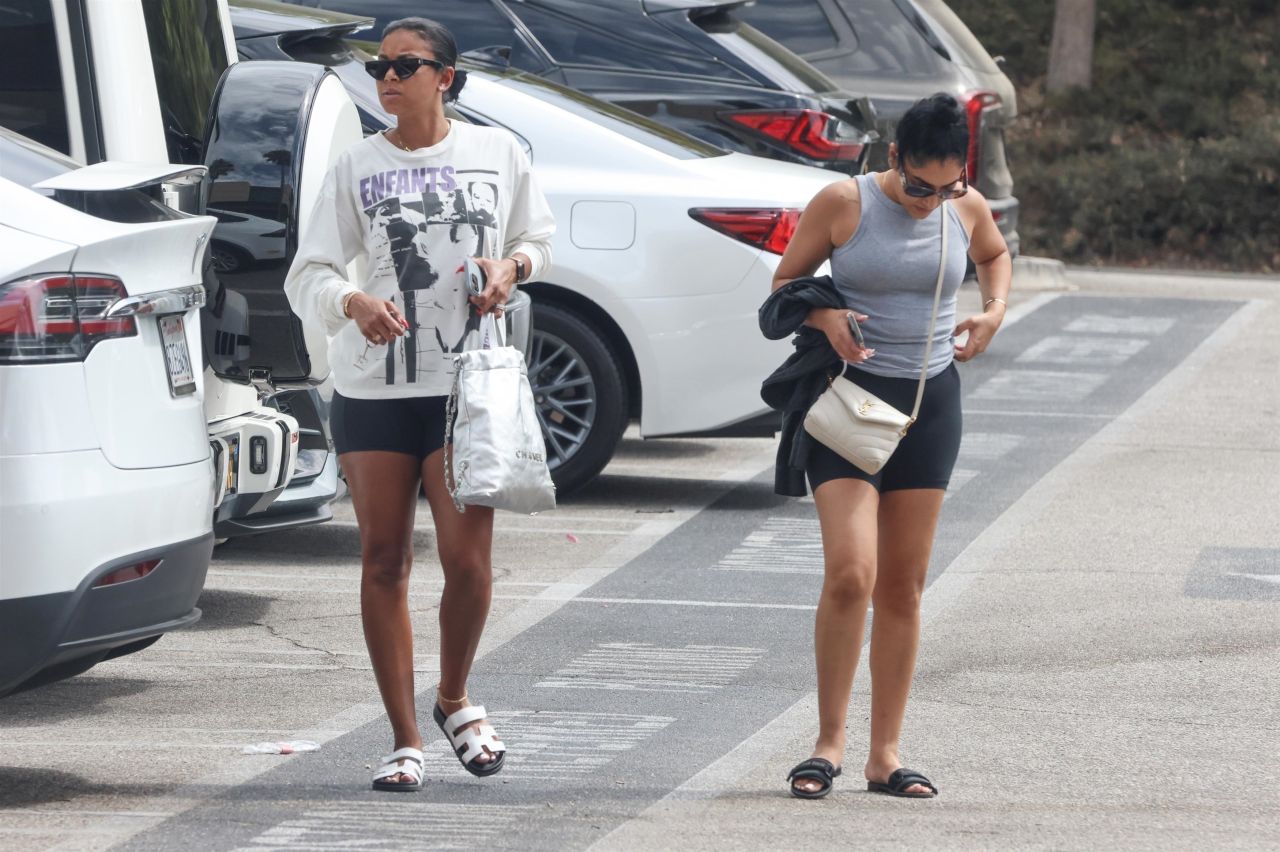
column 882, row 235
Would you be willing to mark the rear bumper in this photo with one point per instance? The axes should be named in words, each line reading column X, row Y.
column 53, row 636
column 301, row 504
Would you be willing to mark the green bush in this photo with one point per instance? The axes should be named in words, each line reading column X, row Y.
column 1171, row 157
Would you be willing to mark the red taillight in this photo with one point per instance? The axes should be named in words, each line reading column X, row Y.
column 124, row 575
column 807, row 131
column 59, row 317
column 975, row 103
column 770, row 230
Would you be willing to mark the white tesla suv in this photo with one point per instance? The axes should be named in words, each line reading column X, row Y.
column 106, row 482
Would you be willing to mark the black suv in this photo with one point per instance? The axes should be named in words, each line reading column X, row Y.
column 689, row 64
column 898, row 51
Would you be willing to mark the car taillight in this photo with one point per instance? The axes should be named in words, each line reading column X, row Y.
column 807, row 131
column 50, row 318
column 975, row 103
column 770, row 230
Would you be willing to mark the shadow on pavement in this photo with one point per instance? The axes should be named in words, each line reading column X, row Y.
column 641, row 493
column 69, row 700
column 223, row 609
column 635, row 449
column 22, row 787
column 320, row 540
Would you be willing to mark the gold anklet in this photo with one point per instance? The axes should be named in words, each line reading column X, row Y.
column 440, row 697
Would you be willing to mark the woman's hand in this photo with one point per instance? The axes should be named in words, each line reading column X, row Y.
column 379, row 320
column 981, row 329
column 500, row 278
column 834, row 323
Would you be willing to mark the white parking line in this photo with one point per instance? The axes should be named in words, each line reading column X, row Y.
column 669, row 602
column 995, row 412
column 644, row 667
column 554, row 746
column 393, row 825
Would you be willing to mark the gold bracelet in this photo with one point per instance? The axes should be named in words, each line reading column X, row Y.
column 988, row 302
column 346, row 303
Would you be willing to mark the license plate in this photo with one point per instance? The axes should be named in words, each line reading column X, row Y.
column 177, row 357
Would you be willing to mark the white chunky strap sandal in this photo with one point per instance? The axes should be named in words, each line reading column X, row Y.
column 405, row 761
column 472, row 743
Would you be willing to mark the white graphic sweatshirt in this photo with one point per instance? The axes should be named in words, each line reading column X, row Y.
column 410, row 218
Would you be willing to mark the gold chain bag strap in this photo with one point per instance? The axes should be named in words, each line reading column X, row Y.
column 855, row 424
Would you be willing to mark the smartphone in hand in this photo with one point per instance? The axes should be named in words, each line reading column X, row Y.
column 474, row 275
column 855, row 330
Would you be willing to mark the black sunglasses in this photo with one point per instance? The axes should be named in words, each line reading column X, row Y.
column 915, row 190
column 405, row 67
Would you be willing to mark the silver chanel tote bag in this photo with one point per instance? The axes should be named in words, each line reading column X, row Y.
column 857, row 425
column 498, row 456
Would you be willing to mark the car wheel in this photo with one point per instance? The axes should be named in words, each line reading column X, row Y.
column 227, row 258
column 580, row 394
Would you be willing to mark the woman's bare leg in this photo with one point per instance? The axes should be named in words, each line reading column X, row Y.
column 465, row 543
column 384, row 492
column 847, row 514
column 908, row 521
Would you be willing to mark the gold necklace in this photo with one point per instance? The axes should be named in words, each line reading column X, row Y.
column 399, row 144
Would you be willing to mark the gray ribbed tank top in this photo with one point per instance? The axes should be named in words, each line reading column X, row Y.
column 888, row 269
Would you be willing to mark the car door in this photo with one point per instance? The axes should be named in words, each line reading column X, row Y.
column 275, row 129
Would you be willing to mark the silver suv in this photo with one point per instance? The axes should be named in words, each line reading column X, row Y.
column 896, row 52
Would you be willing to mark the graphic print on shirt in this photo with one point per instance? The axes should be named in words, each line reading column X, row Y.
column 425, row 222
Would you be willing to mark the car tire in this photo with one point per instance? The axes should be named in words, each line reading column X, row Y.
column 228, row 259
column 580, row 393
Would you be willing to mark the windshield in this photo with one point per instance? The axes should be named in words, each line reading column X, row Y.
column 26, row 162
column 632, row 125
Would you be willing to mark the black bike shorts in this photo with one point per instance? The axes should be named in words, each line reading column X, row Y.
column 925, row 457
column 413, row 426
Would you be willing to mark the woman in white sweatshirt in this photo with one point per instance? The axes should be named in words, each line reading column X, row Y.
column 403, row 204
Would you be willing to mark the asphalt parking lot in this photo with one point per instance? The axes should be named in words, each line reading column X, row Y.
column 1099, row 664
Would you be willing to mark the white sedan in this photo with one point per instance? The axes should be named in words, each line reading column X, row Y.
column 106, row 484
column 665, row 249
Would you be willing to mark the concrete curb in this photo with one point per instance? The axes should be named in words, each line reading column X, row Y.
column 1040, row 273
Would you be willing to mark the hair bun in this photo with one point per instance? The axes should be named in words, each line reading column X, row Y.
column 459, row 80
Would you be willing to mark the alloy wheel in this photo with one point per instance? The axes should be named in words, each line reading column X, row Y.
column 564, row 393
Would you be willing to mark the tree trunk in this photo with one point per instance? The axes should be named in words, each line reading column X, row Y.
column 1071, row 51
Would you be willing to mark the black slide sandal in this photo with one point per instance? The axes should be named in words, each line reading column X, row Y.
column 899, row 781
column 814, row 769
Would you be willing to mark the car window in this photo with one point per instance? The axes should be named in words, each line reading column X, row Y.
column 891, row 41
column 584, row 33
column 962, row 44
column 188, row 55
column 801, row 25
column 632, row 125
column 26, row 162
column 474, row 24
column 31, row 99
